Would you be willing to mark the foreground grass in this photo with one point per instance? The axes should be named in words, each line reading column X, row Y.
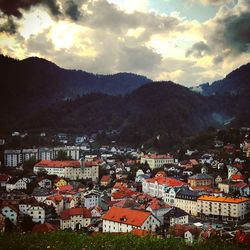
column 63, row 240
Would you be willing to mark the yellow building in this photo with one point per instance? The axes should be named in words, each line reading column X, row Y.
column 59, row 182
column 200, row 180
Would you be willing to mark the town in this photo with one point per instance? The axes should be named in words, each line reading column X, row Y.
column 115, row 189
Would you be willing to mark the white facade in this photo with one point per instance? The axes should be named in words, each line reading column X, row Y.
column 157, row 161
column 180, row 220
column 10, row 213
column 19, row 185
column 37, row 213
column 12, row 158
column 91, row 200
column 150, row 224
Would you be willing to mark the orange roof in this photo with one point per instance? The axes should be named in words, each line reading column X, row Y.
column 56, row 198
column 166, row 181
column 223, row 199
column 93, row 163
column 126, row 216
column 155, row 156
column 66, row 214
column 65, row 188
column 58, row 164
column 155, row 205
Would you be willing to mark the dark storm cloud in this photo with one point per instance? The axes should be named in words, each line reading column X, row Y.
column 237, row 32
column 13, row 7
column 198, row 50
column 9, row 26
column 72, row 10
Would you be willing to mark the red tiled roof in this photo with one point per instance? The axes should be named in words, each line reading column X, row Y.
column 236, row 177
column 66, row 214
column 125, row 192
column 156, row 205
column 4, row 177
column 65, row 188
column 58, row 164
column 43, row 228
column 242, row 237
column 56, row 198
column 126, row 216
column 166, row 181
column 93, row 163
column 105, row 178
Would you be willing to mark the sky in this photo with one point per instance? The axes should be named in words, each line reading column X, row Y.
column 186, row 41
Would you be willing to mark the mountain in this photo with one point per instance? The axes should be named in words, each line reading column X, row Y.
column 38, row 95
column 163, row 109
column 234, row 84
column 234, row 90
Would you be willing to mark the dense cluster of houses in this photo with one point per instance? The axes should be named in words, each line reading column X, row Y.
column 144, row 192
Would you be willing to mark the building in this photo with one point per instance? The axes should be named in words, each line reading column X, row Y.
column 156, row 186
column 125, row 220
column 72, row 170
column 28, row 154
column 223, row 208
column 199, row 180
column 15, row 184
column 10, row 212
column 39, row 213
column 176, row 216
column 105, row 180
column 187, row 201
column 157, row 161
column 75, row 218
column 12, row 158
column 91, row 199
column 3, row 180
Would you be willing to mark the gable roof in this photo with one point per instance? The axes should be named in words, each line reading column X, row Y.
column 4, row 177
column 43, row 228
column 126, row 216
column 58, row 164
column 66, row 214
column 200, row 176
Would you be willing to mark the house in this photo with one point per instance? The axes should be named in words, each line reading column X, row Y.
column 158, row 209
column 91, row 199
column 217, row 180
column 175, row 216
column 15, row 184
column 156, row 186
column 11, row 212
column 75, row 218
column 45, row 183
column 141, row 178
column 189, row 164
column 39, row 213
column 105, row 180
column 25, row 204
column 200, row 180
column 57, row 201
column 125, row 220
column 58, row 182
column 157, row 161
column 41, row 194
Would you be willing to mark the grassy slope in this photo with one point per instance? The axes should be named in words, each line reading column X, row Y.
column 70, row 240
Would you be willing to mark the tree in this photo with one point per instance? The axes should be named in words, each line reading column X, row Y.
column 9, row 226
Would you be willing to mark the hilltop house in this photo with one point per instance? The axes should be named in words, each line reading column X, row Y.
column 125, row 220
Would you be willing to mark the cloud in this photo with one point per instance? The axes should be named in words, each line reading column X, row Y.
column 14, row 7
column 8, row 25
column 199, row 49
column 72, row 10
column 215, row 2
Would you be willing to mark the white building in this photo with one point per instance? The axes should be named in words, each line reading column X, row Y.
column 16, row 184
column 75, row 218
column 157, row 161
column 91, row 200
column 225, row 208
column 10, row 212
column 125, row 220
column 156, row 186
column 68, row 169
column 38, row 213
